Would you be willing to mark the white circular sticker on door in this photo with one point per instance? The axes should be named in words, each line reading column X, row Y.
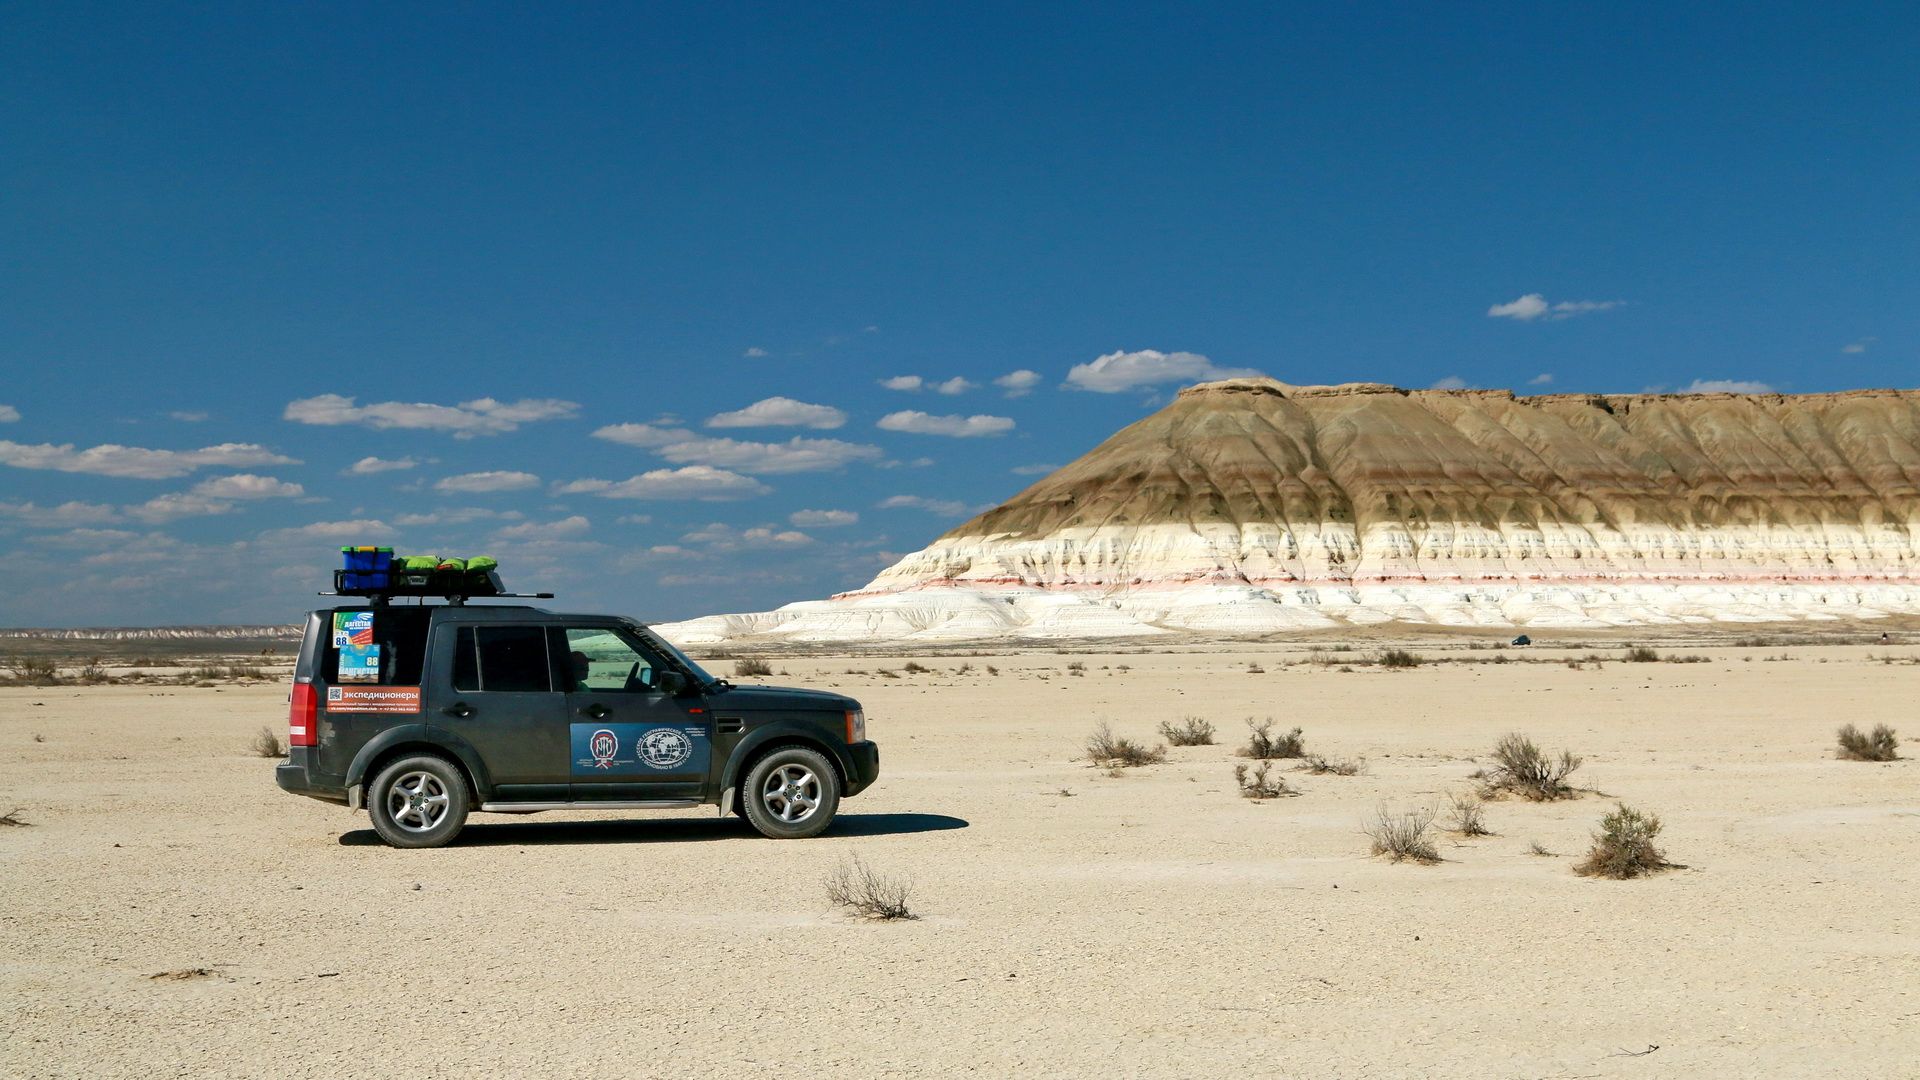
column 664, row 748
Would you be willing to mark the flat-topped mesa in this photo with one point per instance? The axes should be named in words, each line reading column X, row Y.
column 1256, row 504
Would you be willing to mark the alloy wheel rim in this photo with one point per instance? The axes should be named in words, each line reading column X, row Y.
column 417, row 802
column 791, row 793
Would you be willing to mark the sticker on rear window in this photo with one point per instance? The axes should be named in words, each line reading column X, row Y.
column 352, row 628
column 373, row 699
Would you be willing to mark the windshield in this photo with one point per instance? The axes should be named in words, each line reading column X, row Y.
column 699, row 673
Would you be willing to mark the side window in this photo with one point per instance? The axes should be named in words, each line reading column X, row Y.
column 381, row 646
column 501, row 659
column 599, row 659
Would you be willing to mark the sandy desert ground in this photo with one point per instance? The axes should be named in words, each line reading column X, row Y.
column 1071, row 923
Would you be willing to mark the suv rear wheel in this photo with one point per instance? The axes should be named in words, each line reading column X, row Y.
column 791, row 793
column 418, row 802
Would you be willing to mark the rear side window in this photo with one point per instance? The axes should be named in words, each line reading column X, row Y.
column 377, row 646
column 501, row 660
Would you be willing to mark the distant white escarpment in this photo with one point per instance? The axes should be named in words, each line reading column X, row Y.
column 1250, row 506
column 154, row 633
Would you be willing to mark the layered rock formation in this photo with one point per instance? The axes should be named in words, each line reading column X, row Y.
column 1250, row 506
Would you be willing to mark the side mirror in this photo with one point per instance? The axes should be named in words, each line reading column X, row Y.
column 670, row 683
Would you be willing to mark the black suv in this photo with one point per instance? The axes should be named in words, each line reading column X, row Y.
column 422, row 713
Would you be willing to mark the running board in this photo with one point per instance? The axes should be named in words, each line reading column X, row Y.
column 536, row 807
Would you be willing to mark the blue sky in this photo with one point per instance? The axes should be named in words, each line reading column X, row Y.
column 557, row 245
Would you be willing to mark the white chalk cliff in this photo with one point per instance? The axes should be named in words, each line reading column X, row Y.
column 1251, row 506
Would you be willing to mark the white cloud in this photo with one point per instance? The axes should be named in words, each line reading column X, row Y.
column 1033, row 470
column 1545, row 378
column 65, row 515
column 367, row 466
column 721, row 537
column 1726, row 386
column 1853, row 349
column 794, row 455
column 362, row 530
column 700, row 482
column 495, row 480
column 818, row 519
column 959, row 427
column 943, row 507
column 184, row 504
column 1121, row 371
column 9, row 414
column 1528, row 307
column 1534, row 306
column 459, row 516
column 545, row 530
column 651, row 435
column 481, row 416
column 187, row 417
column 1018, row 383
column 247, row 486
column 754, row 353
column 86, row 539
column 781, row 412
column 135, row 462
column 1451, row 382
column 913, row 384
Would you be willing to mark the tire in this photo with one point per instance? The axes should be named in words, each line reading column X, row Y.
column 418, row 801
column 791, row 793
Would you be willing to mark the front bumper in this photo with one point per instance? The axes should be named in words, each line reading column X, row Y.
column 866, row 766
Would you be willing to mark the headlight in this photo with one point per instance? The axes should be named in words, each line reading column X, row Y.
column 856, row 725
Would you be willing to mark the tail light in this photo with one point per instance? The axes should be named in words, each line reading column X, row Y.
column 303, row 716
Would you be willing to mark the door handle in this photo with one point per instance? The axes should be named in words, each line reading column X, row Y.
column 458, row 708
column 597, row 711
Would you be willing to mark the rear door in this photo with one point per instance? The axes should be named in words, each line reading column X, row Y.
column 630, row 742
column 496, row 691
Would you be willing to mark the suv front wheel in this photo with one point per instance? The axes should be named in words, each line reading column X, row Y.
column 418, row 802
column 791, row 793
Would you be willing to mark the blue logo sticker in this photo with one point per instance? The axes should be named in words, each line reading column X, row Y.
column 639, row 749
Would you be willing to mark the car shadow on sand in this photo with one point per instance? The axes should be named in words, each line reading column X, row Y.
column 663, row 830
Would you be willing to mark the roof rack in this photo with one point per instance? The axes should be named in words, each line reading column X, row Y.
column 431, row 586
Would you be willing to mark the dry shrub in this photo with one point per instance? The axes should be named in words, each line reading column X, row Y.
column 93, row 672
column 1539, row 849
column 1399, row 658
column 1467, row 815
column 991, row 670
column 1258, row 785
column 1879, row 745
column 751, row 666
column 854, row 885
column 266, row 744
column 1640, row 654
column 1256, row 669
column 1403, row 835
column 1623, row 848
column 913, row 667
column 1321, row 766
column 1522, row 769
column 1115, row 752
column 1262, row 743
column 1190, row 731
column 33, row 671
column 887, row 673
column 12, row 817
